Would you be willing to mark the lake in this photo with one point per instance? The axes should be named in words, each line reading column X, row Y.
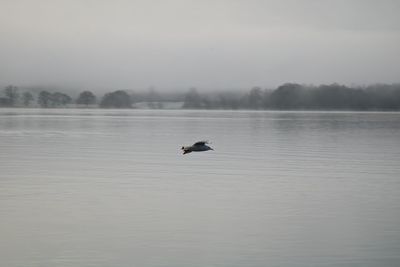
column 112, row 188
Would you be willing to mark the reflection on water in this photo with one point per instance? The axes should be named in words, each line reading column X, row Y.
column 111, row 188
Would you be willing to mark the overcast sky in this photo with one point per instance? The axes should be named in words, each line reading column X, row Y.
column 208, row 44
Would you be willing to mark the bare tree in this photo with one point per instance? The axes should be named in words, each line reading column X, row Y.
column 11, row 93
column 60, row 99
column 27, row 98
column 44, row 99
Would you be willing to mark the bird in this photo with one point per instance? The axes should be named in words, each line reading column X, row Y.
column 196, row 147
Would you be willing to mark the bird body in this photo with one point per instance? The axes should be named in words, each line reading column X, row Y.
column 196, row 147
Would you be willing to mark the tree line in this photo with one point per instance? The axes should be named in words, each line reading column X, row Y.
column 292, row 96
column 289, row 96
column 13, row 98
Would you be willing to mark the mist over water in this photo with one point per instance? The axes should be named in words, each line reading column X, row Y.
column 111, row 188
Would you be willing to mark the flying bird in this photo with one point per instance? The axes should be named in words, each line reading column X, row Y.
column 196, row 147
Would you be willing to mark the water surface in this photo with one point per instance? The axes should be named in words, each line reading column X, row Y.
column 111, row 188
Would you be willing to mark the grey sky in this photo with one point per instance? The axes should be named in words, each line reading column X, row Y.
column 203, row 43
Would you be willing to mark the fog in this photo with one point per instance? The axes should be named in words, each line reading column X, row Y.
column 99, row 45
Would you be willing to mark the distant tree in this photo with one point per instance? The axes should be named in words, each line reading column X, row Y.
column 333, row 96
column 27, row 98
column 44, row 99
column 116, row 99
column 192, row 99
column 266, row 97
column 86, row 98
column 4, row 102
column 228, row 101
column 255, row 98
column 287, row 96
column 11, row 93
column 59, row 99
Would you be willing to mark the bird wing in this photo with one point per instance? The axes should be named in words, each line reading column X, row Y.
column 200, row 143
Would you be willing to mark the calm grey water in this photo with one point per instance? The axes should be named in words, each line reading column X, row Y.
column 111, row 188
